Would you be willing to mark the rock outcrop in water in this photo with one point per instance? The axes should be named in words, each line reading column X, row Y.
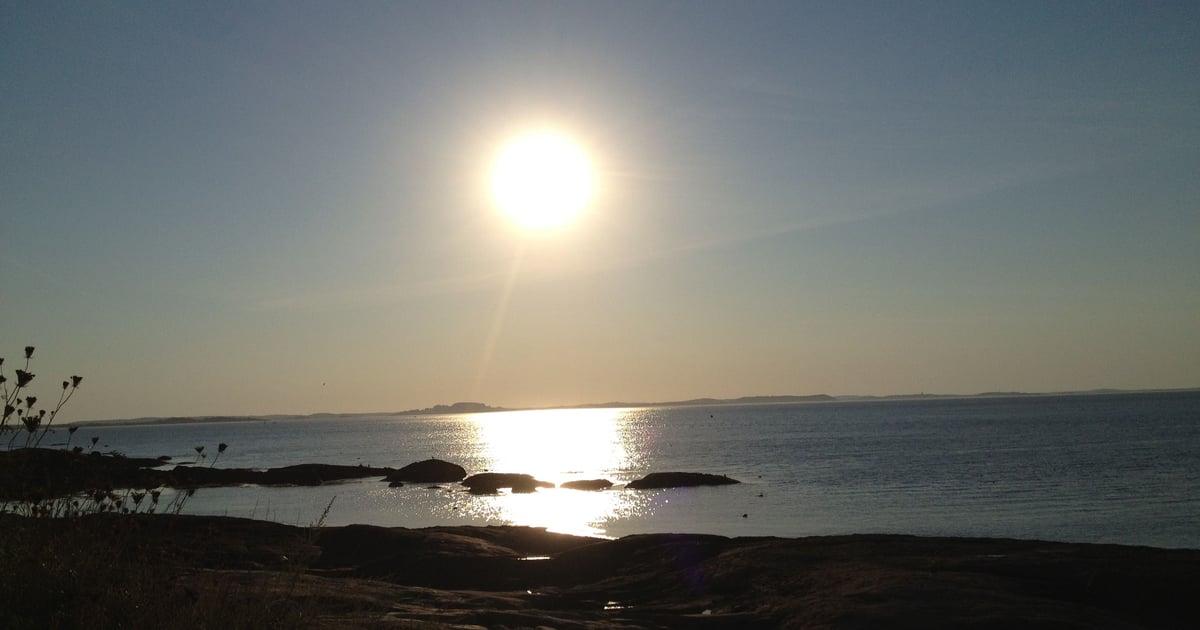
column 429, row 471
column 297, row 475
column 679, row 480
column 29, row 473
column 491, row 483
column 587, row 484
column 41, row 473
column 32, row 473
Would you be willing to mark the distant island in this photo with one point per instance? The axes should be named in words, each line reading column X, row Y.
column 697, row 402
column 458, row 407
column 478, row 407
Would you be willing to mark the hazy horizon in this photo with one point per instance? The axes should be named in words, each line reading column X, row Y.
column 215, row 209
column 702, row 401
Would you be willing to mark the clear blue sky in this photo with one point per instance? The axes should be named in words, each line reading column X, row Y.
column 282, row 208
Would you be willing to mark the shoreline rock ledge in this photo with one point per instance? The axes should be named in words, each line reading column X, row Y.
column 428, row 471
column 679, row 480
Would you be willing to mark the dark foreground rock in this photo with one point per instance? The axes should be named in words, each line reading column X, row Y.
column 171, row 571
column 679, row 480
column 587, row 484
column 491, row 483
column 429, row 471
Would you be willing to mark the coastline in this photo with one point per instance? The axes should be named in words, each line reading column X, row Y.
column 188, row 571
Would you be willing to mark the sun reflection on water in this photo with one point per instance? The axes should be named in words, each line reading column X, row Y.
column 554, row 445
column 557, row 446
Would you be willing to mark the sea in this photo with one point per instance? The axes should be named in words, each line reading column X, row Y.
column 1098, row 468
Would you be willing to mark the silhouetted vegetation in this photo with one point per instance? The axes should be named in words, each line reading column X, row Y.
column 72, row 550
column 19, row 403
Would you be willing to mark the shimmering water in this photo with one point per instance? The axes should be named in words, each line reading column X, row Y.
column 1099, row 468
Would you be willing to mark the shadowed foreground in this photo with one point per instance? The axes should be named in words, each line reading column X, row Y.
column 185, row 571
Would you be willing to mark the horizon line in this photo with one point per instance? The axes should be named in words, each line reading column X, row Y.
column 470, row 407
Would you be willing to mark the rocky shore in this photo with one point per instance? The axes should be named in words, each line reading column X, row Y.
column 43, row 473
column 36, row 473
column 95, row 567
column 142, row 571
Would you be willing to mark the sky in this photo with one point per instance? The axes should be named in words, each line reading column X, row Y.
column 283, row 207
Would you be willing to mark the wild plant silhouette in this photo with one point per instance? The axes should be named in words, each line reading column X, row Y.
column 19, row 404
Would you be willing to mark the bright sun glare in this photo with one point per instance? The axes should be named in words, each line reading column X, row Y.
column 542, row 180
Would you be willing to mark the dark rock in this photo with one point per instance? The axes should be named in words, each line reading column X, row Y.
column 679, row 480
column 443, row 577
column 297, row 475
column 490, row 483
column 396, row 484
column 31, row 473
column 429, row 471
column 588, row 484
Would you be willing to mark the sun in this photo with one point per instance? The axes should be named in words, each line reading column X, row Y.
column 542, row 180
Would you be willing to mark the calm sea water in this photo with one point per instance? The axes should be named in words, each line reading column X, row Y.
column 1099, row 468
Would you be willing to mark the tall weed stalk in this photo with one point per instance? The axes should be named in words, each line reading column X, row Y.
column 19, row 403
